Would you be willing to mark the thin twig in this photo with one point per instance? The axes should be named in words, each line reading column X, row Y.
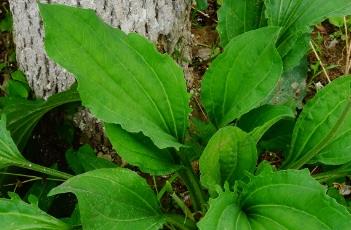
column 320, row 61
column 22, row 182
column 204, row 14
column 200, row 107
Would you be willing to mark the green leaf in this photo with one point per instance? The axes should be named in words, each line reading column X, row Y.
column 229, row 154
column 17, row 89
column 85, row 160
column 323, row 129
column 6, row 23
column 19, row 76
column 239, row 16
column 23, row 115
column 114, row 199
column 122, row 78
column 296, row 18
column 277, row 200
column 258, row 121
column 9, row 154
column 201, row 4
column 241, row 77
column 139, row 150
column 16, row 214
column 40, row 189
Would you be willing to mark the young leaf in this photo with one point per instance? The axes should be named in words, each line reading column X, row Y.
column 16, row 214
column 9, row 154
column 139, row 150
column 23, row 115
column 323, row 130
column 239, row 16
column 229, row 153
column 296, row 17
column 241, row 77
column 258, row 121
column 114, row 199
column 85, row 160
column 277, row 200
column 17, row 89
column 122, row 78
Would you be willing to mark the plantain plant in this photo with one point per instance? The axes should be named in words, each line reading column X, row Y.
column 141, row 97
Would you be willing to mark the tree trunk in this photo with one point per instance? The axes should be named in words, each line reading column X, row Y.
column 165, row 22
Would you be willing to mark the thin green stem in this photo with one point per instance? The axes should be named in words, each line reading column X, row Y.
column 180, row 222
column 44, row 170
column 17, row 174
column 164, row 188
column 183, row 206
column 193, row 185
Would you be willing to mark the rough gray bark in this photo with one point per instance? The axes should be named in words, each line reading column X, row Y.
column 165, row 22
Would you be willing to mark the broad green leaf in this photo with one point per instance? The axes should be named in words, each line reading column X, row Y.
column 229, row 154
column 277, row 200
column 16, row 214
column 121, row 78
column 85, row 160
column 225, row 213
column 23, row 115
column 114, row 199
column 241, row 78
column 239, row 16
column 201, row 4
column 296, row 18
column 139, row 150
column 323, row 129
column 258, row 121
column 9, row 154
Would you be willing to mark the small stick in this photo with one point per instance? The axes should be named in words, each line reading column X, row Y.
column 320, row 61
column 204, row 14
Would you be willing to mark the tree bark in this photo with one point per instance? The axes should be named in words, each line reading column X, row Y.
column 165, row 22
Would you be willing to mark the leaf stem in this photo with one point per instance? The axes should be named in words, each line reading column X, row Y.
column 44, row 170
column 180, row 222
column 194, row 187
